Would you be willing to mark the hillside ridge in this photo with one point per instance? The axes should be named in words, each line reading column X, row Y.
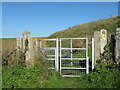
column 87, row 29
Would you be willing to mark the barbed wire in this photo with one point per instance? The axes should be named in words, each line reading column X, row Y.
column 11, row 34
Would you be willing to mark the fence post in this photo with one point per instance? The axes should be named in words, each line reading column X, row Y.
column 103, row 39
column 100, row 42
column 27, row 40
column 117, row 46
column 112, row 46
column 97, row 45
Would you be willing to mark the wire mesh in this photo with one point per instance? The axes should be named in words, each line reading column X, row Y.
column 49, row 57
column 73, row 56
column 48, row 51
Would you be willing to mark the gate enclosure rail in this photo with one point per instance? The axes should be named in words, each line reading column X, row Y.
column 73, row 57
column 69, row 55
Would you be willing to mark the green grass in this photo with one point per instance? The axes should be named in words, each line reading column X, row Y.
column 100, row 78
column 21, row 77
column 7, row 38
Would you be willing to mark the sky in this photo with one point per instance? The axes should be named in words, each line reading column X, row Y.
column 45, row 18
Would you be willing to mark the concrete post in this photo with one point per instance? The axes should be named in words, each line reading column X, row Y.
column 97, row 45
column 103, row 39
column 26, row 36
column 117, row 46
column 100, row 38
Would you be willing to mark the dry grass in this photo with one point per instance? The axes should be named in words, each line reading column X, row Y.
column 8, row 44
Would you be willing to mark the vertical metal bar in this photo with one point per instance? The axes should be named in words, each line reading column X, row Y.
column 86, row 47
column 71, row 50
column 57, row 55
column 60, row 56
column 92, row 53
column 87, row 59
column 87, row 65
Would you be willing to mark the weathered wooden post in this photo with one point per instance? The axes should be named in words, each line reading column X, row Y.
column 117, row 46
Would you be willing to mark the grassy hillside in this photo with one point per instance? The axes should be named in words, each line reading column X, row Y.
column 87, row 29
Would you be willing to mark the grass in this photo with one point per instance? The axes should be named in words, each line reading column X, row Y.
column 22, row 77
column 7, row 44
column 7, row 38
column 88, row 29
column 100, row 78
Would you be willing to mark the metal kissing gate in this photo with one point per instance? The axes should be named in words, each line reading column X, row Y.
column 68, row 55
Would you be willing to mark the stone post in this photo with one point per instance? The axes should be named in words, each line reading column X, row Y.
column 27, row 39
column 97, row 45
column 117, row 46
column 100, row 38
column 103, row 39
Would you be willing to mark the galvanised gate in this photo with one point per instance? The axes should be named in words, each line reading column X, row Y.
column 67, row 55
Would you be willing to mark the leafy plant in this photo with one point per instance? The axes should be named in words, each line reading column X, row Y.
column 22, row 77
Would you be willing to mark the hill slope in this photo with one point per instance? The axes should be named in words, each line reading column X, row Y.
column 87, row 29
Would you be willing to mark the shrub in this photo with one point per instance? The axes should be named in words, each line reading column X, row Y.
column 21, row 77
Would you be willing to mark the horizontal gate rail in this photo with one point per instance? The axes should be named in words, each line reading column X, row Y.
column 50, row 58
column 47, row 39
column 50, row 55
column 72, row 38
column 73, row 58
column 74, row 48
column 51, row 68
column 71, row 68
column 47, row 48
column 69, row 76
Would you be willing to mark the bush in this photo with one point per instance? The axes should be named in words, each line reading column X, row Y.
column 21, row 77
column 100, row 78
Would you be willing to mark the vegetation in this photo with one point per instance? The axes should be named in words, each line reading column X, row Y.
column 87, row 29
column 105, row 75
column 21, row 77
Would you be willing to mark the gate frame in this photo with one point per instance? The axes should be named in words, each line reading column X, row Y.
column 57, row 48
column 56, row 51
column 87, row 58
